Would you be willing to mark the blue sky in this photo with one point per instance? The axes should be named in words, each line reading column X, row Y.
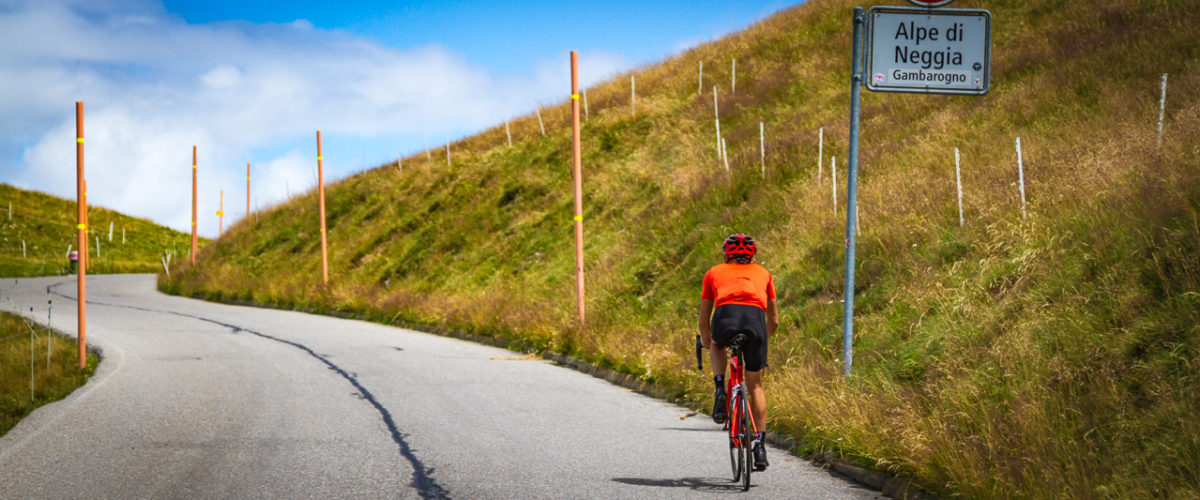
column 252, row 81
column 507, row 37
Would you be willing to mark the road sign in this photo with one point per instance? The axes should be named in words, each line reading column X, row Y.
column 920, row 50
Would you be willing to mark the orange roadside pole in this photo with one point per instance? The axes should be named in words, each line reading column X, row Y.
column 87, row 245
column 221, row 215
column 80, row 234
column 247, row 189
column 321, row 198
column 578, row 186
column 193, row 206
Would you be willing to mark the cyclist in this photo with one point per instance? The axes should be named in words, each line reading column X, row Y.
column 743, row 293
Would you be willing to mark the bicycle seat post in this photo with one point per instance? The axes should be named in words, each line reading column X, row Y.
column 735, row 344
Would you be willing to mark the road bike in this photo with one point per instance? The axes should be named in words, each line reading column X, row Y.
column 739, row 421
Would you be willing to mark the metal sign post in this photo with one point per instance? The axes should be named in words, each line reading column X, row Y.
column 856, row 78
column 914, row 50
column 930, row 3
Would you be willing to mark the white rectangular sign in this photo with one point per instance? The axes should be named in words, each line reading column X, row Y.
column 931, row 51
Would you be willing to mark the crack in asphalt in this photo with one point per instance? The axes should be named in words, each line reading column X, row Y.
column 422, row 480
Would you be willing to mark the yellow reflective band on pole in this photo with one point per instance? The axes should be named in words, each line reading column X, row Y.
column 193, row 166
column 193, row 223
column 79, row 140
column 575, row 96
column 320, row 159
column 219, row 212
column 579, row 217
column 80, row 226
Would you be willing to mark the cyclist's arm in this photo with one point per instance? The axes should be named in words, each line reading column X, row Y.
column 706, row 309
column 772, row 317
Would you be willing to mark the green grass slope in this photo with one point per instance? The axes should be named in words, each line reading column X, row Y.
column 46, row 225
column 1057, row 355
column 55, row 365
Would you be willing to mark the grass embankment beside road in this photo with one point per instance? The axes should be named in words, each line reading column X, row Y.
column 55, row 366
column 46, row 226
column 1048, row 356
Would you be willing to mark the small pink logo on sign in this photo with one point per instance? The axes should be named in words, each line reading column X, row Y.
column 879, row 78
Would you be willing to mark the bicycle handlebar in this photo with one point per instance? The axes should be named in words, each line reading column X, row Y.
column 699, row 349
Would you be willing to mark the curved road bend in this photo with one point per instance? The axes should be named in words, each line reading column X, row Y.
column 196, row 399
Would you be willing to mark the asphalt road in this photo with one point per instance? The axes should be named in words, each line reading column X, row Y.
column 196, row 399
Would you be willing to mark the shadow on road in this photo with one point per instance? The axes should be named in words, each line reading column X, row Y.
column 692, row 483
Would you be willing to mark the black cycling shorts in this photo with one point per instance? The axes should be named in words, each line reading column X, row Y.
column 732, row 319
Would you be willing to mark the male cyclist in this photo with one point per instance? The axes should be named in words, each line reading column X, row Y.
column 744, row 295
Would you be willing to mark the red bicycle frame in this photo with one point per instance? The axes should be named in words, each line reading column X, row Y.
column 736, row 388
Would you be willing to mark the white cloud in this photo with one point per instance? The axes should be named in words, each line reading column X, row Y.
column 222, row 76
column 595, row 66
column 291, row 173
column 154, row 86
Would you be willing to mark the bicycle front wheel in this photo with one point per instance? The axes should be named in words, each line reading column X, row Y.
column 735, row 456
column 735, row 448
column 747, row 457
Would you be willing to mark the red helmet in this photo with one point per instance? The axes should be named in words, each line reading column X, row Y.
column 739, row 247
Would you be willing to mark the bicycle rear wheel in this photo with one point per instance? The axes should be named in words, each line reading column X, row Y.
column 747, row 456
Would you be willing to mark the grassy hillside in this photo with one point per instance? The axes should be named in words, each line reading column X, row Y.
column 46, row 225
column 1057, row 355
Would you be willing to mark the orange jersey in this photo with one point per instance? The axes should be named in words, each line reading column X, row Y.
column 731, row 283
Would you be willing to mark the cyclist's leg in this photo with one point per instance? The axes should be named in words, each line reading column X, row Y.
column 755, row 324
column 719, row 360
column 722, row 332
column 756, row 363
column 758, row 399
column 758, row 404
